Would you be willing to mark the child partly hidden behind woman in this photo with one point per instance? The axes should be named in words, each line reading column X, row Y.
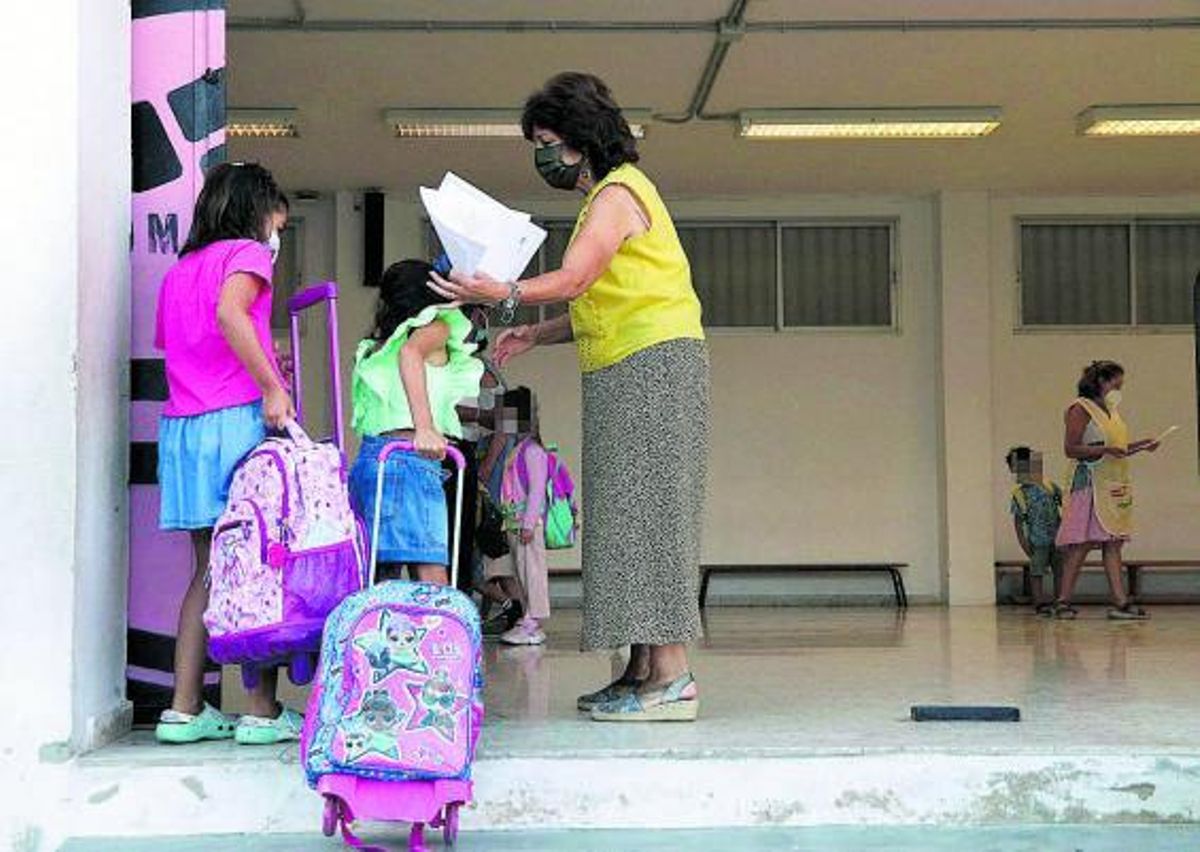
column 523, row 502
column 410, row 373
column 224, row 390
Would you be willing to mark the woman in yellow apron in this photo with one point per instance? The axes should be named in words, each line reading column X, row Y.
column 1099, row 509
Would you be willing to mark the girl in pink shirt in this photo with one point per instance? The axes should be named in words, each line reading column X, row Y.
column 225, row 389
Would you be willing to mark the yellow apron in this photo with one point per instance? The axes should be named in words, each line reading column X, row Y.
column 1112, row 488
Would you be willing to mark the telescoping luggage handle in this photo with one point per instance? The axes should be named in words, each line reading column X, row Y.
column 460, row 464
column 299, row 303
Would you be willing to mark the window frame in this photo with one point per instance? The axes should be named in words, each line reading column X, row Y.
column 892, row 223
column 1131, row 223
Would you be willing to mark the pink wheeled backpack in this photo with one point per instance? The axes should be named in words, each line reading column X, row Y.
column 396, row 710
column 288, row 547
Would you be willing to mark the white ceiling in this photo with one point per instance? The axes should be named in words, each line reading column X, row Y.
column 341, row 82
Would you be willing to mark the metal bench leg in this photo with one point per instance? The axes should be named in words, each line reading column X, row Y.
column 898, row 585
column 704, row 574
column 1027, row 583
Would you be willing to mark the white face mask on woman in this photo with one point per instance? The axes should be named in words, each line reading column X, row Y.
column 273, row 245
column 1112, row 399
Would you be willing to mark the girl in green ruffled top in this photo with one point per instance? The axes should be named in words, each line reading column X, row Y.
column 410, row 373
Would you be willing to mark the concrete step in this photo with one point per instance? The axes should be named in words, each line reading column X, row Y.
column 138, row 789
column 1071, row 838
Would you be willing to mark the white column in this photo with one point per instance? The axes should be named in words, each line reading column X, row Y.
column 63, row 338
column 965, row 381
column 102, row 411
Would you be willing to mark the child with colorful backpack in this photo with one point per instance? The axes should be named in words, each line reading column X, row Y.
column 224, row 391
column 1037, row 514
column 537, row 498
column 410, row 374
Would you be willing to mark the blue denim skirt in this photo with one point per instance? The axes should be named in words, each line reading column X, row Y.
column 196, row 459
column 414, row 528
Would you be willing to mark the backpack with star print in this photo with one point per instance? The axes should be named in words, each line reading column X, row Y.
column 396, row 708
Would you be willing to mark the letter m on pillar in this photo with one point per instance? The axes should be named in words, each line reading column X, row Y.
column 163, row 233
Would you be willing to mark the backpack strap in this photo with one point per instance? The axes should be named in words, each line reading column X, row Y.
column 1018, row 496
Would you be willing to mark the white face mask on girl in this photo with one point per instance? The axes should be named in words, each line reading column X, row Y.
column 273, row 245
column 1113, row 398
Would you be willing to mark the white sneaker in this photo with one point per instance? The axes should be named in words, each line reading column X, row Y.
column 526, row 632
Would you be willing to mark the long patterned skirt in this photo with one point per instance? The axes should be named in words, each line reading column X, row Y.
column 645, row 464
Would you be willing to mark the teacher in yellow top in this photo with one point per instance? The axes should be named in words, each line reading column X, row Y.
column 1099, row 509
column 635, row 320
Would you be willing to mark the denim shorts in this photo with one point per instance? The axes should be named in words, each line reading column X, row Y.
column 414, row 528
column 196, row 459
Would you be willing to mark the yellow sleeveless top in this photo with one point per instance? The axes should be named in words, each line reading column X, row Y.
column 1112, row 487
column 645, row 297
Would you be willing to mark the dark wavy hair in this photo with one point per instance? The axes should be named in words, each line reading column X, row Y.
column 236, row 203
column 1096, row 374
column 580, row 108
column 403, row 293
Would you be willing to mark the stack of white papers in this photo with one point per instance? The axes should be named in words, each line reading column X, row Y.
column 479, row 234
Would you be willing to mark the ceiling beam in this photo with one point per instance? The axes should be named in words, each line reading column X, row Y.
column 302, row 23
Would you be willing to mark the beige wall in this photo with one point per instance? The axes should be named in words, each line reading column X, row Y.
column 817, row 438
column 856, row 446
column 1034, row 379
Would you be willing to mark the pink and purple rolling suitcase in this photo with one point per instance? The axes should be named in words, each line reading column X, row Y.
column 395, row 713
column 288, row 547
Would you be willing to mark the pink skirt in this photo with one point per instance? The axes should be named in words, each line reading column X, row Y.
column 1080, row 524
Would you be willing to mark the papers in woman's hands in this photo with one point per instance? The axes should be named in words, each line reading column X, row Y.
column 1165, row 433
column 479, row 234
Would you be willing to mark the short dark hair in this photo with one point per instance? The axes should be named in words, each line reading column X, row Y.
column 1096, row 374
column 1017, row 454
column 403, row 293
column 520, row 399
column 580, row 108
column 236, row 203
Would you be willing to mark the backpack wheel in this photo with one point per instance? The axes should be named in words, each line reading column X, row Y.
column 249, row 676
column 329, row 820
column 416, row 839
column 450, row 825
column 301, row 668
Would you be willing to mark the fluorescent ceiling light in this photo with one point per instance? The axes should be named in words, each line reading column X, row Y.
column 887, row 123
column 475, row 123
column 266, row 123
column 1141, row 120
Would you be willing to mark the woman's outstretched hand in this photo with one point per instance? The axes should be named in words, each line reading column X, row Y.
column 513, row 342
column 477, row 289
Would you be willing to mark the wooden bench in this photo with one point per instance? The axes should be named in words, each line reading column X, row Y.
column 1134, row 568
column 892, row 569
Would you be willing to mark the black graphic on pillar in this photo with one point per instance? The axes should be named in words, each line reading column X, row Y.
column 154, row 160
column 163, row 236
column 199, row 106
column 150, row 8
column 212, row 157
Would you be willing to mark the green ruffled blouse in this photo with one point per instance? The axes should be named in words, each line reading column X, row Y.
column 377, row 392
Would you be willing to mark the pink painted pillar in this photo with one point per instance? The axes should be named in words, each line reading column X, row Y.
column 178, row 94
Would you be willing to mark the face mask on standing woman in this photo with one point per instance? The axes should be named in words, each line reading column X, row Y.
column 549, row 163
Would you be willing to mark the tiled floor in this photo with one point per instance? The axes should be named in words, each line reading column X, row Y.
column 844, row 679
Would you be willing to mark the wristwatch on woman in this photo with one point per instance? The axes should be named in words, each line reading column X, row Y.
column 508, row 307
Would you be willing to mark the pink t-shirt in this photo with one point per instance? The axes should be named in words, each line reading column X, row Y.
column 203, row 373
